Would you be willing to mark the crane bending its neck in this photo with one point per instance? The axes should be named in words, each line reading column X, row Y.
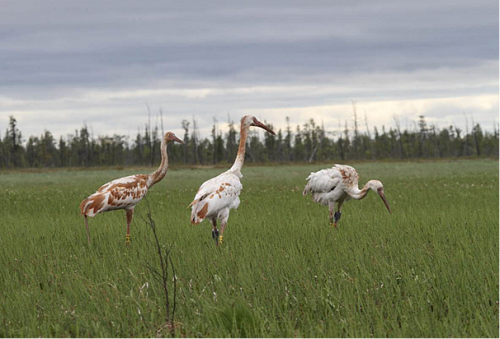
column 359, row 194
column 374, row 185
column 160, row 173
column 240, row 157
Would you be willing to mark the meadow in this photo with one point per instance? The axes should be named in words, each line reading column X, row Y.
column 431, row 269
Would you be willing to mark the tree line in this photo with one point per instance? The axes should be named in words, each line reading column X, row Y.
column 303, row 143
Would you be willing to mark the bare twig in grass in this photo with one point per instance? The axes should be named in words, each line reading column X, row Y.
column 162, row 276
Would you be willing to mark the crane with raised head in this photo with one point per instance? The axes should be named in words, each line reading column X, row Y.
column 217, row 196
column 126, row 192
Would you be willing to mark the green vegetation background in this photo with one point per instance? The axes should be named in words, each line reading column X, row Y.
column 430, row 269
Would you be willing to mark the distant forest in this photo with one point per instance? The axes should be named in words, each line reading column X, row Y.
column 308, row 142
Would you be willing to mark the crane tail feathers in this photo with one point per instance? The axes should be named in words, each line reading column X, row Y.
column 199, row 212
column 191, row 204
column 93, row 205
column 84, row 206
column 306, row 190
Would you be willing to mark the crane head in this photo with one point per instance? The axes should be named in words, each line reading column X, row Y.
column 252, row 121
column 377, row 186
column 169, row 136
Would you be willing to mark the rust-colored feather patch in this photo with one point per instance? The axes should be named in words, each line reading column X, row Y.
column 95, row 202
column 83, row 204
column 203, row 212
column 349, row 177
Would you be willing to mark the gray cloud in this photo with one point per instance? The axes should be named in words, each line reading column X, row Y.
column 65, row 62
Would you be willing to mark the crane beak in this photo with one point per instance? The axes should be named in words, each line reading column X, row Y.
column 380, row 192
column 257, row 123
column 174, row 138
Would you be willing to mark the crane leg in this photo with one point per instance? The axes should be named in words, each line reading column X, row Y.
column 130, row 214
column 338, row 214
column 87, row 227
column 331, row 207
column 215, row 231
column 223, row 217
column 224, row 224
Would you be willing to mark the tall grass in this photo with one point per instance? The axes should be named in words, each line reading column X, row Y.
column 429, row 269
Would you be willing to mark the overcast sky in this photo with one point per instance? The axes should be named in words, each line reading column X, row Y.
column 65, row 63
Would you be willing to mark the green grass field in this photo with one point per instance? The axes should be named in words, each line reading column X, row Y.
column 428, row 270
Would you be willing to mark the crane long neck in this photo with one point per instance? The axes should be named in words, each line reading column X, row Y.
column 240, row 157
column 358, row 194
column 160, row 173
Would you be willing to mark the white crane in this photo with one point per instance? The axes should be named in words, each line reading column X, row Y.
column 338, row 184
column 217, row 196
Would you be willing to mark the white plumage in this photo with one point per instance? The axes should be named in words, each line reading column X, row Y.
column 217, row 196
column 323, row 186
column 338, row 184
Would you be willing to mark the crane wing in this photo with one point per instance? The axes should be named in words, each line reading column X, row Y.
column 214, row 196
column 118, row 194
column 322, row 181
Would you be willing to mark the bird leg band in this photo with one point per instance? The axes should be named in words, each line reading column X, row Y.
column 337, row 216
column 215, row 233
